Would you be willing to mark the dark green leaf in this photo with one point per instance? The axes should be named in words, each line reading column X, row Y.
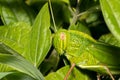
column 86, row 4
column 50, row 64
column 3, row 74
column 16, row 10
column 39, row 1
column 61, row 14
column 18, row 76
column 14, row 60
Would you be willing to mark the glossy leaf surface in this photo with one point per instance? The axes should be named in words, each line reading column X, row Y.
column 40, row 37
column 111, row 13
column 15, row 11
column 15, row 36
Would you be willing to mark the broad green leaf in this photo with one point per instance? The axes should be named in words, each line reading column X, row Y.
column 15, row 11
column 40, row 40
column 5, row 68
column 61, row 73
column 15, row 36
column 17, row 62
column 62, row 14
column 111, row 13
column 92, row 17
column 3, row 74
column 110, row 39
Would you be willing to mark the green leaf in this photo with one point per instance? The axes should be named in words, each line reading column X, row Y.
column 15, row 11
column 50, row 63
column 62, row 14
column 40, row 1
column 14, row 60
column 80, row 27
column 65, row 1
column 3, row 74
column 17, row 76
column 40, row 41
column 5, row 68
column 92, row 17
column 16, row 36
column 110, row 39
column 111, row 13
column 61, row 73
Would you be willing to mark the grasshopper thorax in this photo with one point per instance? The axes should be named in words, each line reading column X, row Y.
column 59, row 41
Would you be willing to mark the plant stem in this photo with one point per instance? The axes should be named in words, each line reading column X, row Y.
column 53, row 19
column 75, row 17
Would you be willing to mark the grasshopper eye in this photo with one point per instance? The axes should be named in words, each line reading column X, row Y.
column 63, row 41
column 62, row 36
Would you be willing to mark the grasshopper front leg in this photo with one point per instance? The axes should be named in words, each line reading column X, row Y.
column 70, row 70
column 98, row 76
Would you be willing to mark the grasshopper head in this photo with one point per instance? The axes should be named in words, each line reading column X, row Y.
column 60, row 40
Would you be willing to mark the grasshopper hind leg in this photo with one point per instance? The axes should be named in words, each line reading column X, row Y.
column 108, row 71
column 98, row 77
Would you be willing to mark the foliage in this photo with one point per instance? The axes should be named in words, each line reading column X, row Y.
column 27, row 29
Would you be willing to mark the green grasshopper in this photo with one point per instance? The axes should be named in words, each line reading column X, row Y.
column 87, row 53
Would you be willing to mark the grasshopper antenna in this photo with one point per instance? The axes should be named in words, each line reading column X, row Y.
column 53, row 19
